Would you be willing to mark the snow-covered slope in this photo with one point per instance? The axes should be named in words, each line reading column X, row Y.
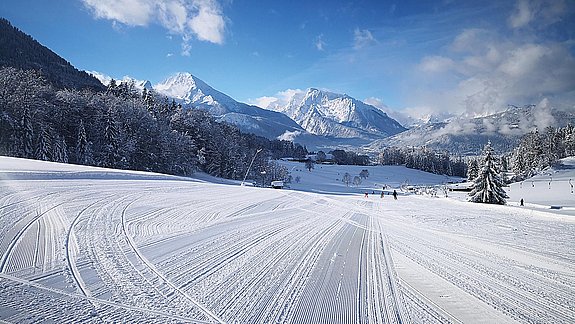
column 466, row 135
column 120, row 247
column 195, row 93
column 552, row 187
column 330, row 114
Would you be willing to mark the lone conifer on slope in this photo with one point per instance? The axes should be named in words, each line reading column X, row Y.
column 488, row 186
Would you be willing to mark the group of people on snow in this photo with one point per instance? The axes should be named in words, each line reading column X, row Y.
column 394, row 194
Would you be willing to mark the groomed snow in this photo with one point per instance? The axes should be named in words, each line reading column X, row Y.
column 83, row 244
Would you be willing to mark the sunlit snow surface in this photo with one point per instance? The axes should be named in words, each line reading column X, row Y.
column 82, row 244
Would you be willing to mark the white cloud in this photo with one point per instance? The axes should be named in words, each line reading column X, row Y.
column 208, row 24
column 129, row 12
column 436, row 64
column 263, row 102
column 200, row 19
column 376, row 102
column 482, row 72
column 521, row 16
column 471, row 40
column 319, row 43
column 542, row 12
column 523, row 60
column 542, row 114
column 186, row 46
column 362, row 38
column 286, row 95
column 280, row 99
column 289, row 136
column 103, row 78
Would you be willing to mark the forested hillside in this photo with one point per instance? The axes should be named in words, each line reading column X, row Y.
column 23, row 52
column 539, row 150
column 122, row 128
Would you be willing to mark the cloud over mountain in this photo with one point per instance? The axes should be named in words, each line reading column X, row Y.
column 483, row 69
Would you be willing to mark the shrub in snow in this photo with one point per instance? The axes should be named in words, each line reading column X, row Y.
column 488, row 185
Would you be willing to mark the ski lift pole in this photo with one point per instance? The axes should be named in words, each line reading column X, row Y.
column 249, row 167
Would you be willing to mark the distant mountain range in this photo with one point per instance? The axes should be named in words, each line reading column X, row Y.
column 337, row 115
column 195, row 93
column 467, row 136
column 315, row 118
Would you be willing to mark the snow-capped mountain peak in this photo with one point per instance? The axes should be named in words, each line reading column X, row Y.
column 327, row 113
column 179, row 86
column 195, row 93
column 189, row 89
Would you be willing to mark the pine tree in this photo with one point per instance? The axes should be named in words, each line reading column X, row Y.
column 488, row 186
column 110, row 149
column 82, row 145
column 569, row 139
column 59, row 150
column 504, row 164
column 472, row 169
column 43, row 147
column 28, row 134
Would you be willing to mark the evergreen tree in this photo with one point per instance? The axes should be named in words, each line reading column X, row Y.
column 488, row 186
column 43, row 147
column 472, row 169
column 59, row 150
column 82, row 145
column 112, row 87
column 504, row 164
column 110, row 145
column 519, row 166
column 569, row 135
column 28, row 134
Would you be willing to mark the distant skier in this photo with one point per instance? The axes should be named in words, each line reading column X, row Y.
column 521, row 202
column 382, row 194
column 394, row 194
column 366, row 195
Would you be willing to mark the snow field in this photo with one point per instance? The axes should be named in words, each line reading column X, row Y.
column 145, row 248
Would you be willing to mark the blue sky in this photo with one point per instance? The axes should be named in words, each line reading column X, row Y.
column 417, row 56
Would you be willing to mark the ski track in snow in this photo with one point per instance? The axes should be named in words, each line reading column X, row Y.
column 157, row 250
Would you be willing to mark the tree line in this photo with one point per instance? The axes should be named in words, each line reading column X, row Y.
column 425, row 159
column 536, row 150
column 124, row 128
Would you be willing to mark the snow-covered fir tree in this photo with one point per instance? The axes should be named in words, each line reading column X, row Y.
column 27, row 134
column 488, row 186
column 59, row 150
column 43, row 147
column 472, row 169
column 536, row 150
column 82, row 145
